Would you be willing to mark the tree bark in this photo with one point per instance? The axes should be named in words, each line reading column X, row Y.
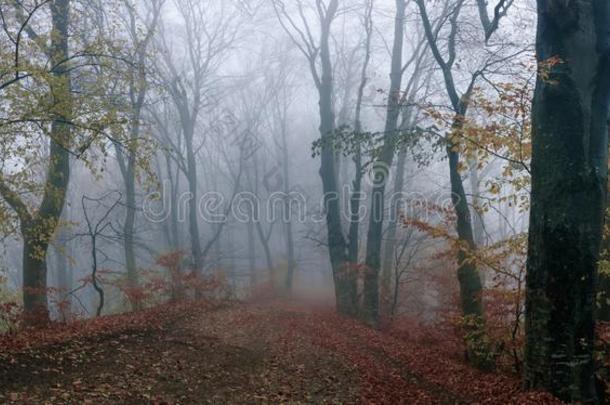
column 291, row 261
column 129, row 225
column 34, row 275
column 387, row 293
column 337, row 246
column 354, row 225
column 251, row 253
column 478, row 225
column 469, row 279
column 603, row 288
column 64, row 276
column 38, row 230
column 390, row 240
column 569, row 185
column 381, row 171
column 191, row 164
column 471, row 286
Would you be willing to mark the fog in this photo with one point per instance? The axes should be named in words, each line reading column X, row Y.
column 373, row 156
column 234, row 75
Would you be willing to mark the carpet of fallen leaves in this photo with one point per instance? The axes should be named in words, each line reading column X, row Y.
column 264, row 352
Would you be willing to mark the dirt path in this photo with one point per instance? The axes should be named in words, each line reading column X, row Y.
column 260, row 353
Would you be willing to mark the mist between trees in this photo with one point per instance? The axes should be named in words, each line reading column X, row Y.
column 439, row 164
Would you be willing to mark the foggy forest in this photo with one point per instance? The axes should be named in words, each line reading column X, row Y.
column 304, row 201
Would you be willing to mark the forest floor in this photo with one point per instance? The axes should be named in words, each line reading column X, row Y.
column 266, row 352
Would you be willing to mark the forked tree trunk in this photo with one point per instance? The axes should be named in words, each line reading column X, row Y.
column 569, row 183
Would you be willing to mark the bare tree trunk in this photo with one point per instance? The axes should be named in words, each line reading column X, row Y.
column 478, row 226
column 569, row 187
column 337, row 247
column 390, row 240
column 251, row 251
column 192, row 203
column 471, row 287
column 291, row 262
column 64, row 278
column 174, row 226
column 265, row 244
column 354, row 225
column 388, row 294
column 98, row 288
column 137, row 95
column 128, row 226
column 251, row 255
column 381, row 171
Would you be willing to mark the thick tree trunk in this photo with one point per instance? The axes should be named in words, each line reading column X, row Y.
column 38, row 231
column 603, row 287
column 34, row 275
column 569, row 182
column 381, row 171
column 603, row 296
